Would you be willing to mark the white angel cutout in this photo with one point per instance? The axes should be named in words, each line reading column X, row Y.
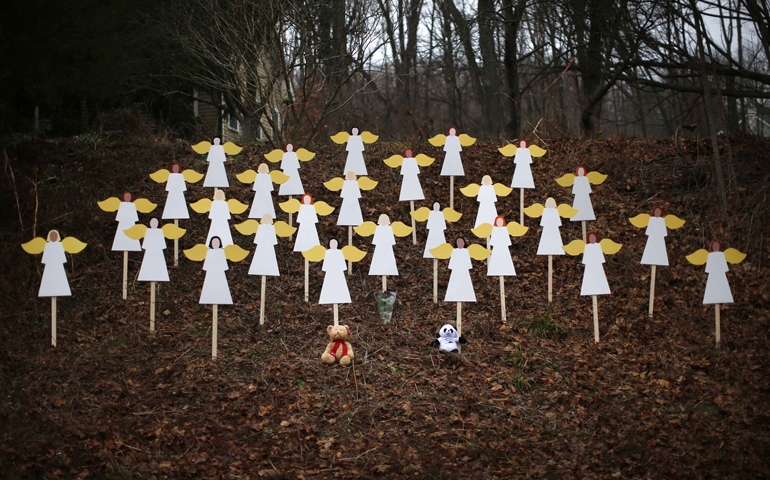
column 486, row 195
column 350, row 191
column 581, row 189
column 522, row 172
column 453, row 164
column 215, row 290
column 335, row 287
column 411, row 189
column 355, row 148
column 436, row 225
column 154, row 267
column 290, row 166
column 216, row 175
column 126, row 218
column 655, row 250
column 219, row 212
column 262, row 181
column 594, row 278
column 717, row 288
column 54, row 282
column 383, row 258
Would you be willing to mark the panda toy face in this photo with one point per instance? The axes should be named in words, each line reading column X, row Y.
column 448, row 338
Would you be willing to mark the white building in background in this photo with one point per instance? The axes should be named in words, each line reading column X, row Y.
column 758, row 119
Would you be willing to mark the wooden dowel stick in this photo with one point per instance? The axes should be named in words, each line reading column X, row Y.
column 384, row 283
column 307, row 280
column 125, row 275
column 718, row 322
column 336, row 315
column 214, row 333
column 152, row 306
column 489, row 257
column 502, row 298
column 350, row 242
column 435, row 280
column 652, row 290
column 290, row 216
column 521, row 207
column 176, row 246
column 550, row 278
column 584, row 229
column 53, row 321
column 459, row 324
column 452, row 192
column 262, row 301
column 596, row 319
column 414, row 227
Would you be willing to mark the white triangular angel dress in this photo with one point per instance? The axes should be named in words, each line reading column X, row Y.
column 54, row 282
column 487, row 210
column 220, row 223
column 307, row 235
column 522, row 172
column 594, row 279
column 460, row 287
column 153, row 267
column 435, row 226
column 263, row 197
column 550, row 237
column 410, row 181
column 453, row 164
column 127, row 218
column 500, row 262
column 355, row 160
column 264, row 261
column 176, row 204
column 350, row 211
column 290, row 167
column 655, row 249
column 582, row 202
column 216, row 176
column 383, row 259
column 215, row 291
column 717, row 288
column 335, row 286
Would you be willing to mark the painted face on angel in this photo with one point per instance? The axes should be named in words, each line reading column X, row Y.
column 581, row 172
column 53, row 236
column 447, row 331
column 715, row 246
column 215, row 243
column 350, row 175
column 217, row 141
column 592, row 238
column 262, row 168
column 522, row 144
column 267, row 219
column 452, row 132
column 657, row 212
column 154, row 223
column 333, row 244
column 354, row 131
column 436, row 206
column 383, row 220
column 408, row 153
column 486, row 180
column 127, row 197
column 499, row 221
column 460, row 242
column 550, row 203
column 176, row 168
column 307, row 199
column 289, row 147
column 219, row 194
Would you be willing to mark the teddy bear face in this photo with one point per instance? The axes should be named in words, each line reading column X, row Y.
column 448, row 331
column 338, row 332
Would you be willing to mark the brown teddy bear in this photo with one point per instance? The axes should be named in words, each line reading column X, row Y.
column 339, row 348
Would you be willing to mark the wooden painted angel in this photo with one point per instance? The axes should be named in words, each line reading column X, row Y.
column 453, row 164
column 262, row 180
column 176, row 184
column 290, row 166
column 594, row 279
column 216, row 175
column 219, row 212
column 350, row 211
column 355, row 149
column 581, row 189
column 307, row 217
column 154, row 267
column 436, row 225
column 411, row 189
column 216, row 290
column 717, row 288
column 522, row 172
column 486, row 195
column 385, row 233
column 54, row 282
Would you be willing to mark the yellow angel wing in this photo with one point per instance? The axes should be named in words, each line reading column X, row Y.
column 451, row 215
column 172, row 231
column 421, row 214
column 34, row 246
column 72, row 245
column 191, row 176
column 466, row 140
column 501, row 190
column 234, row 253
column 340, row 138
column 424, row 160
column 369, row 137
column 535, row 210
column 698, row 258
column 443, row 251
column 247, row 177
column 515, row 229
column 283, row 229
column 323, row 208
column 278, row 177
column 144, row 206
column 566, row 180
column 596, row 178
column 335, row 184
column 275, row 155
column 471, row 190
column 565, row 211
column 305, row 155
column 609, row 247
column 366, row 183
column 438, row 141
column 249, row 227
column 734, row 256
column 315, row 254
column 478, row 252
column 508, row 150
column 202, row 147
column 366, row 229
column 196, row 253
column 483, row 231
column 352, row 254
column 161, row 176
column 112, row 204
column 673, row 222
column 394, row 161
column 400, row 230
column 136, row 232
column 236, row 207
column 575, row 247
column 201, row 206
column 289, row 206
column 232, row 149
column 536, row 151
column 640, row 221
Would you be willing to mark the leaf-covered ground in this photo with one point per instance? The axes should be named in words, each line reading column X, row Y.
column 529, row 398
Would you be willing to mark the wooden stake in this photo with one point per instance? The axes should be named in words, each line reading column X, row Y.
column 262, row 301
column 53, row 321
column 489, row 257
column 152, row 307
column 652, row 290
column 459, row 324
column 550, row 278
column 290, row 216
column 596, row 319
column 336, row 315
column 502, row 298
column 718, row 322
column 214, row 333
column 435, row 280
column 125, row 275
column 584, row 229
column 414, row 227
column 384, row 283
column 176, row 246
column 350, row 242
column 452, row 192
column 307, row 280
column 521, row 207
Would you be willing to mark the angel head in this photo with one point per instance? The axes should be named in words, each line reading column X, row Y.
column 408, row 153
column 154, row 223
column 216, row 140
column 289, row 147
column 307, row 199
column 215, row 243
column 486, row 180
column 500, row 221
column 354, row 131
column 580, row 172
column 383, row 220
column 127, row 197
column 267, row 219
column 715, row 246
column 176, row 168
column 333, row 244
column 657, row 212
column 460, row 242
column 550, row 203
column 262, row 168
column 522, row 143
column 53, row 236
column 592, row 237
column 452, row 132
column 350, row 175
column 219, row 194
column 436, row 206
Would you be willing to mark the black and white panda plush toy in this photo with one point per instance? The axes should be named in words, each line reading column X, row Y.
column 448, row 339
